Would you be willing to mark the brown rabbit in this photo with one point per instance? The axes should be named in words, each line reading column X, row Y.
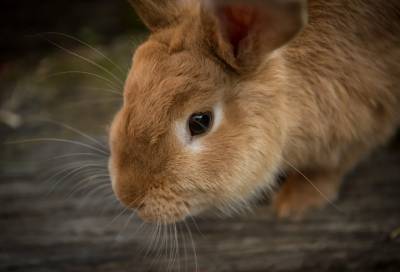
column 226, row 95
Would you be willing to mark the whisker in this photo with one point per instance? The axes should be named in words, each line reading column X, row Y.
column 90, row 47
column 169, row 248
column 184, row 249
column 314, row 186
column 102, row 185
column 111, row 201
column 75, row 130
column 142, row 224
column 177, row 249
column 35, row 140
column 74, row 72
column 49, row 175
column 164, row 253
column 61, row 169
column 74, row 155
column 71, row 174
column 193, row 245
column 162, row 245
column 156, row 246
column 86, row 102
column 153, row 241
column 124, row 226
column 171, row 240
column 101, row 89
column 72, row 165
column 126, row 208
column 116, row 217
column 195, row 224
column 101, row 67
column 155, row 237
column 81, row 184
column 79, row 165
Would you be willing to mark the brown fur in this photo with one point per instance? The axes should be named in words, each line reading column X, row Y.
column 317, row 105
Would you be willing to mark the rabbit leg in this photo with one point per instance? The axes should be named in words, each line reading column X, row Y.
column 304, row 191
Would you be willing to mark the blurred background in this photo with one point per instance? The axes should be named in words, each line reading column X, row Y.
column 62, row 68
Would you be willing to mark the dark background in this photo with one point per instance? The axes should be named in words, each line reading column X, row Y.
column 97, row 21
column 56, row 216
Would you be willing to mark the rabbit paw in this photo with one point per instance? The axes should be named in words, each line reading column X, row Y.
column 301, row 193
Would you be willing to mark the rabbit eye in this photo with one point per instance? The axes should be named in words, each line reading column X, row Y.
column 200, row 122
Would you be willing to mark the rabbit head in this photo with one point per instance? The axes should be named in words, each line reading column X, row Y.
column 197, row 128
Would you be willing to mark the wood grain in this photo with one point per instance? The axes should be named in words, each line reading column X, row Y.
column 42, row 231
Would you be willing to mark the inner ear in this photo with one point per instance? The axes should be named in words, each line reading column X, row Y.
column 237, row 22
column 247, row 31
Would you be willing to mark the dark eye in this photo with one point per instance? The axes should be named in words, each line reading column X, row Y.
column 199, row 123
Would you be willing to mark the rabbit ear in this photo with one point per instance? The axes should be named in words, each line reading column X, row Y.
column 247, row 31
column 157, row 14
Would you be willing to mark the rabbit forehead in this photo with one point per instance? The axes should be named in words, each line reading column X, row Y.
column 158, row 59
column 162, row 86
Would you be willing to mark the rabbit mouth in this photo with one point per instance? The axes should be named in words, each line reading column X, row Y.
column 163, row 210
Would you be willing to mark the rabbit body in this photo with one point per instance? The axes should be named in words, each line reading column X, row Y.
column 344, row 72
column 307, row 99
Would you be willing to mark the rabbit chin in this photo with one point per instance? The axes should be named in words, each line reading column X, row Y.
column 166, row 207
column 161, row 211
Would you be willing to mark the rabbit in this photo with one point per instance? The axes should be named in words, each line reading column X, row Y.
column 225, row 96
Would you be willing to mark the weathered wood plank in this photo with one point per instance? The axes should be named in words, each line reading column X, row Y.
column 42, row 231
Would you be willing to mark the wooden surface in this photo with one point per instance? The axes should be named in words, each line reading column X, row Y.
column 54, row 231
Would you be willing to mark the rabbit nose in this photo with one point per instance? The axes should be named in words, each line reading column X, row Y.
column 128, row 194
